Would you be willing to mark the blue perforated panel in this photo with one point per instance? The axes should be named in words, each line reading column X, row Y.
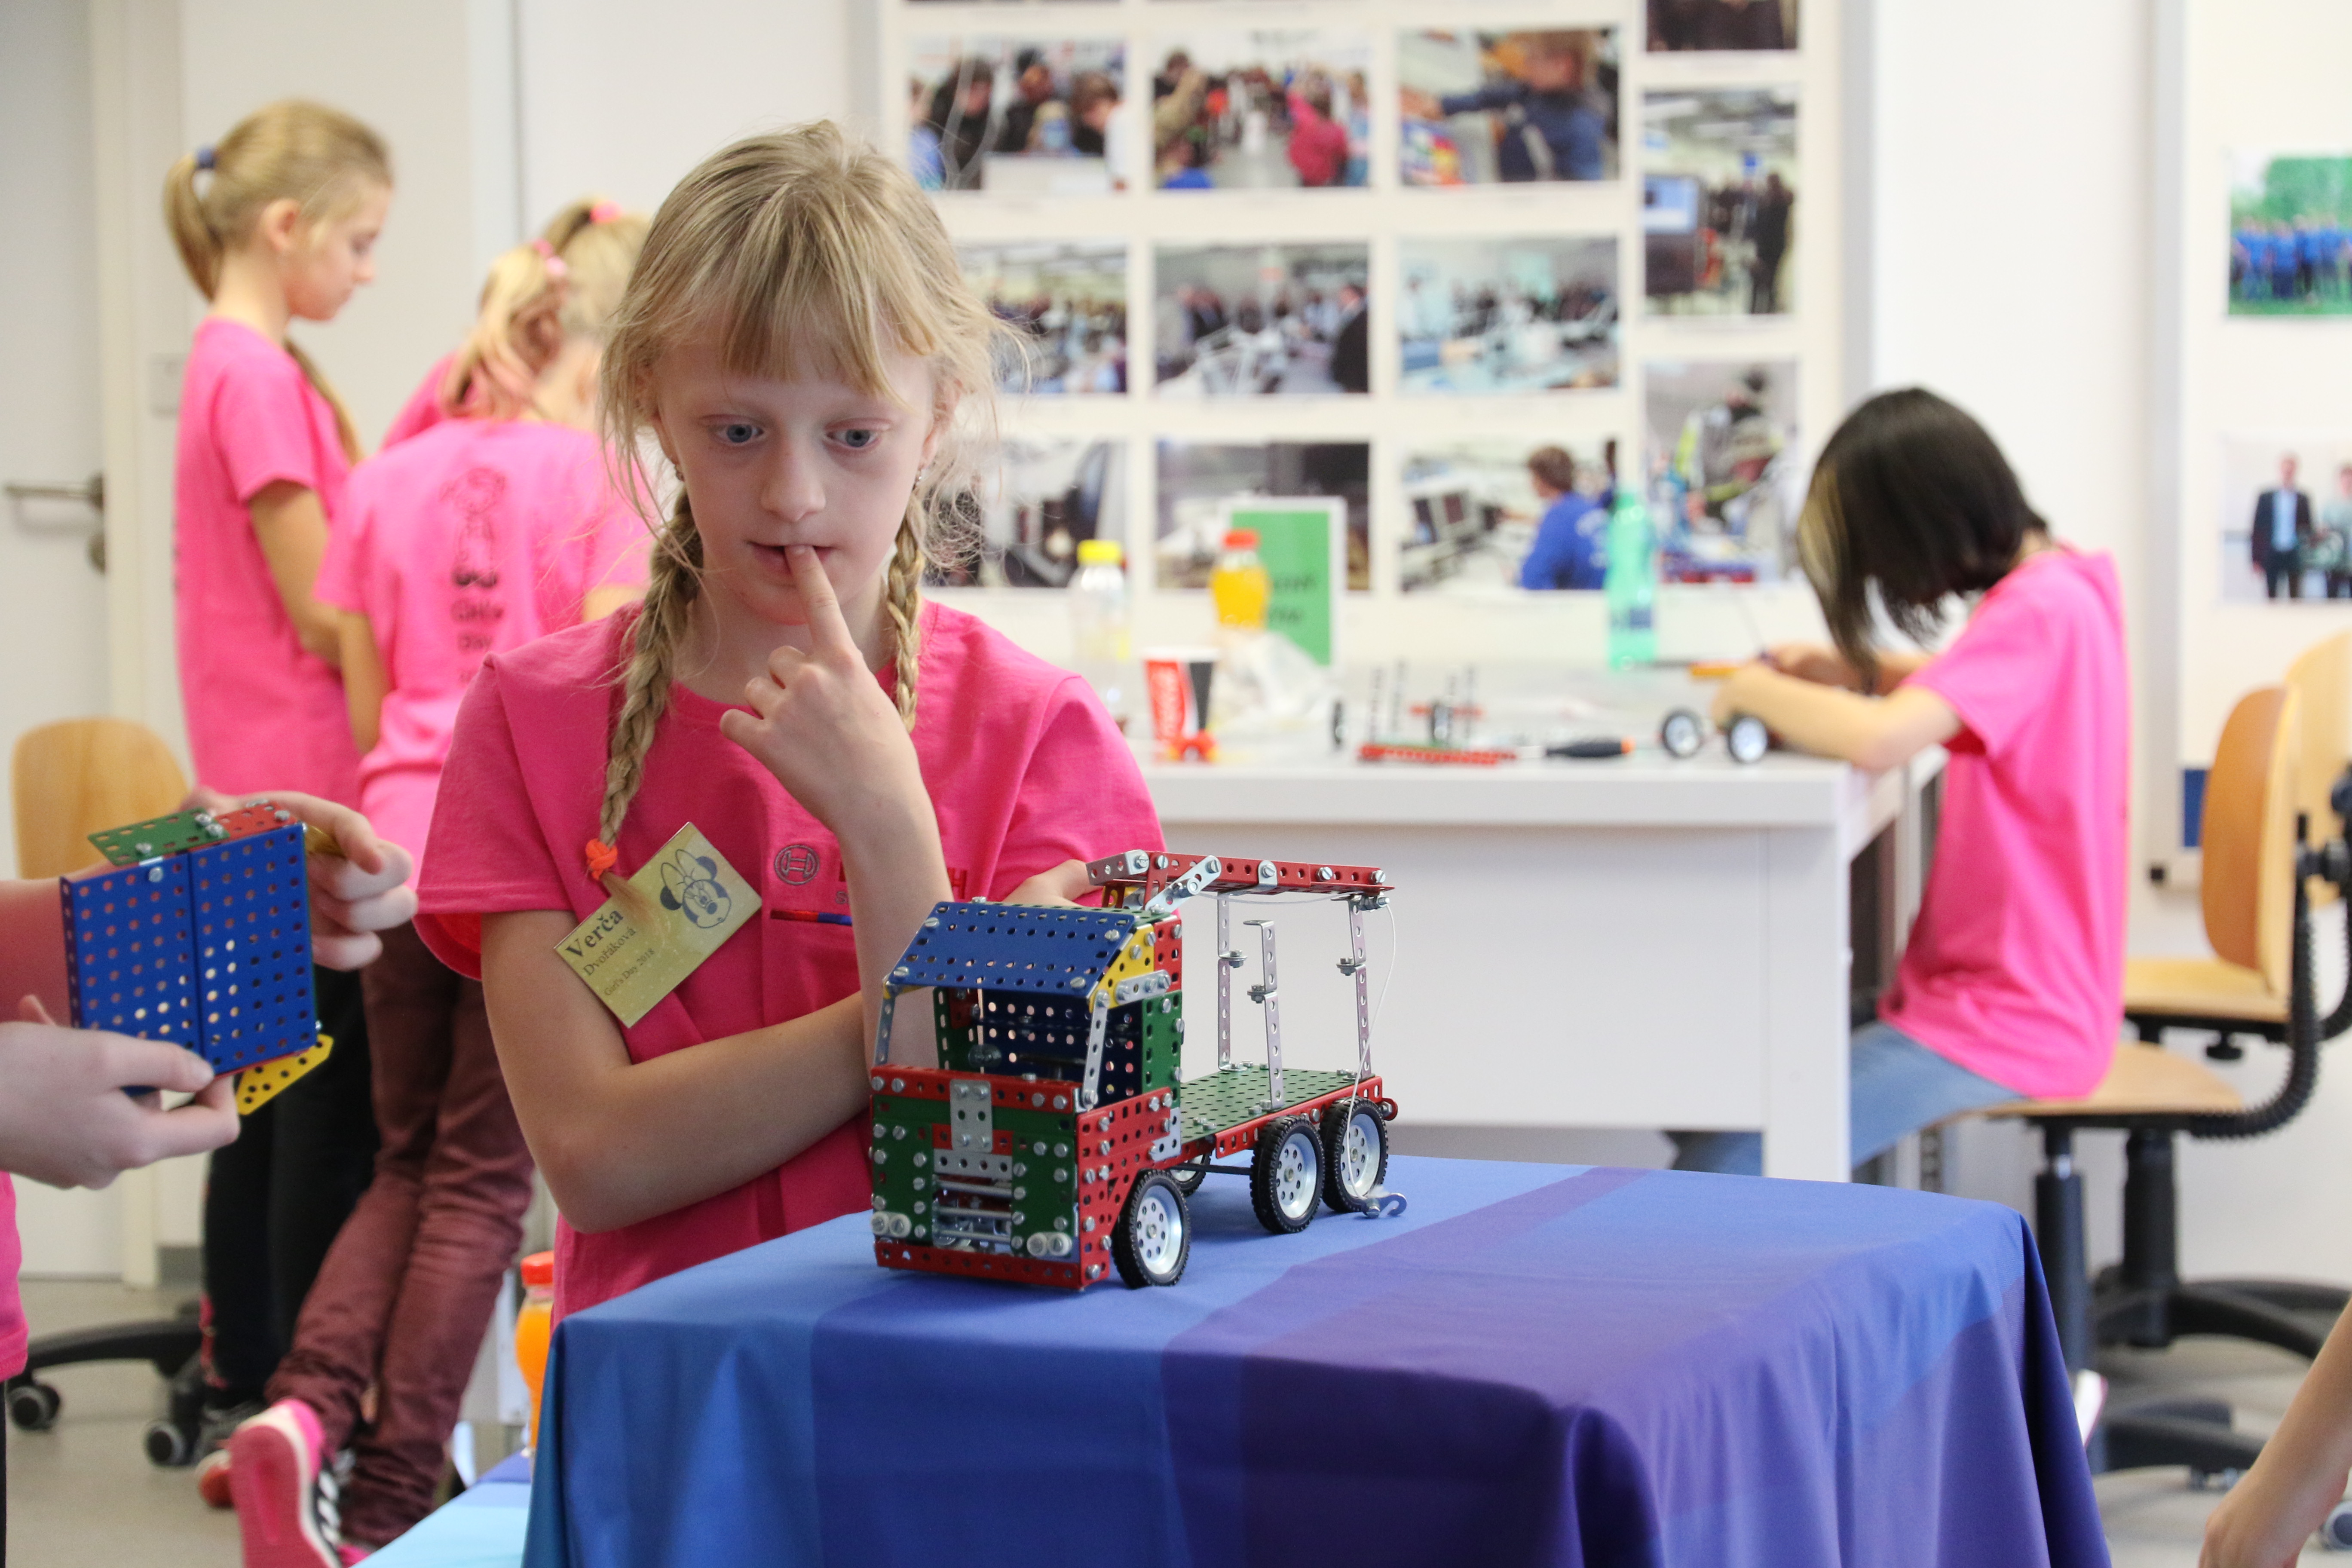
column 131, row 953
column 252, row 903
column 1014, row 947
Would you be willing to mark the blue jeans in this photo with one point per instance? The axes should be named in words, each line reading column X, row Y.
column 1898, row 1086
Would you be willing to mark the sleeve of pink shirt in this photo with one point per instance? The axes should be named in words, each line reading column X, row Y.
column 1082, row 798
column 423, row 409
column 1991, row 673
column 261, row 425
column 486, row 855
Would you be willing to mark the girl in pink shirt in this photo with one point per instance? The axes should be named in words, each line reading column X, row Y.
column 586, row 236
column 277, row 222
column 2011, row 985
column 485, row 532
column 796, row 342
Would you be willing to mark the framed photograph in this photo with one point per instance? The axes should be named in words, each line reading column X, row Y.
column 1532, row 314
column 2290, row 235
column 1198, row 478
column 1067, row 299
column 1479, row 108
column 2286, row 528
column 1266, row 109
column 1014, row 115
column 1249, row 320
column 1488, row 514
column 1740, row 24
column 1022, row 527
column 1718, row 202
column 1726, row 479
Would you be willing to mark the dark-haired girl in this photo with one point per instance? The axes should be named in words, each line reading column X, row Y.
column 2012, row 982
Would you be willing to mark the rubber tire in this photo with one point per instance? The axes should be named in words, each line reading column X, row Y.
column 1263, row 1160
column 168, row 1447
column 1189, row 1175
column 1336, row 1118
column 1747, row 740
column 1687, row 723
column 1132, row 1268
column 33, row 1407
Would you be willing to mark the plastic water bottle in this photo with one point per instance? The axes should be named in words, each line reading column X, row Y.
column 1101, row 629
column 1630, row 584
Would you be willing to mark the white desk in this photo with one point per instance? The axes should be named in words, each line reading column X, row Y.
column 1633, row 943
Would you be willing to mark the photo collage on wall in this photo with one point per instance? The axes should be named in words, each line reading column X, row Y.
column 1242, row 254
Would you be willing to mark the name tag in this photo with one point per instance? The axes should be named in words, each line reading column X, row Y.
column 692, row 901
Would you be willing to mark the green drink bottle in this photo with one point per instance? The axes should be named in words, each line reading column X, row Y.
column 1630, row 584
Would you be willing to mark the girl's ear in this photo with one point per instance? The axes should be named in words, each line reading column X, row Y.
column 280, row 225
column 942, row 414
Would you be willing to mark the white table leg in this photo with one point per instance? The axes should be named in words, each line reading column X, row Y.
column 1805, row 1007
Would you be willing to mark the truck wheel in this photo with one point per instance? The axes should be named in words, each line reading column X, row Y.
column 1286, row 1174
column 1189, row 1175
column 1154, row 1235
column 1355, row 1154
column 1682, row 733
column 1747, row 740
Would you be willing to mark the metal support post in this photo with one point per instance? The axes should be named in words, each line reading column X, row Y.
column 1354, row 965
column 1266, row 995
column 1228, row 960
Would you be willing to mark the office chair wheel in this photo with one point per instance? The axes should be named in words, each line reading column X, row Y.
column 168, row 1444
column 33, row 1407
column 2335, row 1534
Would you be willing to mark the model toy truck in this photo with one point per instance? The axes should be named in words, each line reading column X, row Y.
column 1054, row 1137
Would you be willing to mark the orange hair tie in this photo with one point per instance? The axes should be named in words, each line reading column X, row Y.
column 601, row 859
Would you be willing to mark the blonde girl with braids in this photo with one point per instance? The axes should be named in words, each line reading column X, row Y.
column 799, row 346
column 485, row 531
column 598, row 243
column 277, row 222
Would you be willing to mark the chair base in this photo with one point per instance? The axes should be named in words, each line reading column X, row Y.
column 2165, row 1432
column 2152, row 1318
column 170, row 1345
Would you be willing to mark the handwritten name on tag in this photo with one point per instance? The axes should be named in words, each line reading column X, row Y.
column 692, row 901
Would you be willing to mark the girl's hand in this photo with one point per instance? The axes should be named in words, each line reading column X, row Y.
column 65, row 1120
column 1811, row 662
column 359, row 885
column 1736, row 694
column 2253, row 1529
column 824, row 726
column 1062, row 887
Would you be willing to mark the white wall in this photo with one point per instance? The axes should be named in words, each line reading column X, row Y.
column 53, row 637
column 621, row 98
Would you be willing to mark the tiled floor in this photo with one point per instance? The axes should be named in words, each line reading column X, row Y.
column 82, row 1495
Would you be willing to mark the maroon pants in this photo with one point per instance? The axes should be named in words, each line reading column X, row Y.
column 406, row 1291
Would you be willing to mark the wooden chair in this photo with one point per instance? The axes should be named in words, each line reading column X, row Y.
column 2257, row 982
column 2321, row 679
column 71, row 779
column 79, row 775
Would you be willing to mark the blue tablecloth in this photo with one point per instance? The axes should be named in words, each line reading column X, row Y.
column 1535, row 1364
column 481, row 1527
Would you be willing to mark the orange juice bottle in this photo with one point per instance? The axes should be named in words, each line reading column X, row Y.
column 534, row 1325
column 1238, row 584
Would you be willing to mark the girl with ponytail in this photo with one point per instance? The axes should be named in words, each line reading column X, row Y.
column 487, row 530
column 799, row 347
column 598, row 243
column 276, row 222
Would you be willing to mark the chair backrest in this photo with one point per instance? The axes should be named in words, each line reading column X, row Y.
column 76, row 776
column 2321, row 679
column 2249, row 835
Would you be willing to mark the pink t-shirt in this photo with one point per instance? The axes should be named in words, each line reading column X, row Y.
column 423, row 409
column 2015, row 967
column 14, row 1335
column 263, row 712
column 471, row 539
column 1024, row 770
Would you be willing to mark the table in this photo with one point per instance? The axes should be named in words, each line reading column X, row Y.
column 481, row 1527
column 1637, row 943
column 1533, row 1365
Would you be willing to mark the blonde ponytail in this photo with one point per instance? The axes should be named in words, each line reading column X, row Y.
column 517, row 335
column 294, row 150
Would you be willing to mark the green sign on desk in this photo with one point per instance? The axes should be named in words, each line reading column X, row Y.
column 1303, row 543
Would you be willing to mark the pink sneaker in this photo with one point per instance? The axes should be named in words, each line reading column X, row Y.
column 285, row 1492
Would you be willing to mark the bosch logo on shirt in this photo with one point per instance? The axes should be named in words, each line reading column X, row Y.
column 798, row 864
